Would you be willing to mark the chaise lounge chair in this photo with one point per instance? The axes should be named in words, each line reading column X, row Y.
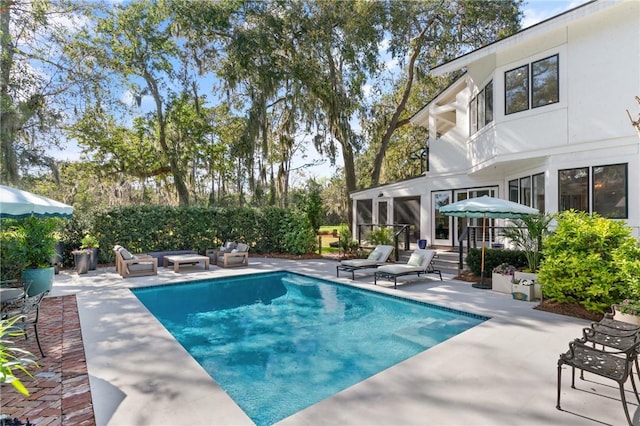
column 420, row 262
column 128, row 265
column 377, row 257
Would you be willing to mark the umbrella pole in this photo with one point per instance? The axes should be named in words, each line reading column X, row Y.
column 482, row 285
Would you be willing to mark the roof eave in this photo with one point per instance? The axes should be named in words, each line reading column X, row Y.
column 542, row 27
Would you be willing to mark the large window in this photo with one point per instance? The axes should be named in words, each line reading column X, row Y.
column 544, row 82
column 607, row 189
column 516, row 90
column 610, row 191
column 525, row 191
column 481, row 109
column 537, row 192
column 528, row 190
column 538, row 82
column 574, row 189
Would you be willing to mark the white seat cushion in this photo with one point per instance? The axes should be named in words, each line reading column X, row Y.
column 400, row 269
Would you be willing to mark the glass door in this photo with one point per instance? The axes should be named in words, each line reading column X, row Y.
column 474, row 225
column 442, row 224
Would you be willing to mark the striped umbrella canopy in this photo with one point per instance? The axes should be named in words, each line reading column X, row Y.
column 487, row 207
column 15, row 203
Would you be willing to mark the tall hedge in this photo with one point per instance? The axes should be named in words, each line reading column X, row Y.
column 157, row 228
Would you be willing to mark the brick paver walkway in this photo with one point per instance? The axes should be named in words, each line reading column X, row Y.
column 60, row 392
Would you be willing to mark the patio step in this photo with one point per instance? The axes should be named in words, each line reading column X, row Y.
column 446, row 261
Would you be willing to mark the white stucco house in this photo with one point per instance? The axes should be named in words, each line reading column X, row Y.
column 539, row 118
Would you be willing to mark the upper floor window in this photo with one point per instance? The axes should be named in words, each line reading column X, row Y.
column 481, row 108
column 538, row 81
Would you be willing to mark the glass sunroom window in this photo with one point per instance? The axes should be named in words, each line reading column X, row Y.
column 574, row 189
column 537, row 192
column 610, row 191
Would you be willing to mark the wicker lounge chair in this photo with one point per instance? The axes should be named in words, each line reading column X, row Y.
column 420, row 262
column 377, row 257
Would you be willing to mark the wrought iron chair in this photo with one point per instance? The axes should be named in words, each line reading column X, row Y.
column 27, row 308
column 616, row 364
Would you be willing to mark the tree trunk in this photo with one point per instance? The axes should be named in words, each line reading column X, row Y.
column 395, row 118
column 178, row 175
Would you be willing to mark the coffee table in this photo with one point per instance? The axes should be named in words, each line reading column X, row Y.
column 183, row 259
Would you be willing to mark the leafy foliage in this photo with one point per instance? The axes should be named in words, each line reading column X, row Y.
column 38, row 240
column 381, row 236
column 590, row 260
column 11, row 253
column 158, row 228
column 527, row 234
column 492, row 259
column 13, row 358
column 347, row 244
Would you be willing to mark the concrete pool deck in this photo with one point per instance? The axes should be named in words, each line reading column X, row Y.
column 502, row 372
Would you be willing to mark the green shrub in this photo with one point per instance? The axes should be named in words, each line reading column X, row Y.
column 347, row 244
column 590, row 260
column 11, row 254
column 493, row 258
column 381, row 236
column 299, row 236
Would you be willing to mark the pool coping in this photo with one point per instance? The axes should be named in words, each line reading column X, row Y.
column 502, row 371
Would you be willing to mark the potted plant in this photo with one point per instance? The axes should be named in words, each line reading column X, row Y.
column 627, row 311
column 91, row 243
column 501, row 277
column 38, row 248
column 82, row 259
column 523, row 289
column 526, row 234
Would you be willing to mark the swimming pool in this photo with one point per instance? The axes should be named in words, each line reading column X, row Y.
column 279, row 342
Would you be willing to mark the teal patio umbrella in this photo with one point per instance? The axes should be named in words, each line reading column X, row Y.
column 15, row 203
column 486, row 207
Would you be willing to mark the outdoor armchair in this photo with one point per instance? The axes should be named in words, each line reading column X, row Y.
column 128, row 265
column 238, row 256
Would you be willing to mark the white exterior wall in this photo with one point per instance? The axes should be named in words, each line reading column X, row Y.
column 599, row 75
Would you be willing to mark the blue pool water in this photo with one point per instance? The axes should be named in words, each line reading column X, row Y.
column 280, row 342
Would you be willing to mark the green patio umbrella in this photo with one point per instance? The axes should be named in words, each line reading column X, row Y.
column 16, row 203
column 486, row 207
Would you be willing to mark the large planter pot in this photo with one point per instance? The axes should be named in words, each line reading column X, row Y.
column 628, row 318
column 41, row 280
column 501, row 283
column 93, row 259
column 83, row 262
column 536, row 290
column 522, row 292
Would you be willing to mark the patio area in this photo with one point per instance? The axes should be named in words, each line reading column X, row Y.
column 502, row 372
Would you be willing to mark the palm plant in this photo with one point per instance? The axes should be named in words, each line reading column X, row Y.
column 527, row 234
